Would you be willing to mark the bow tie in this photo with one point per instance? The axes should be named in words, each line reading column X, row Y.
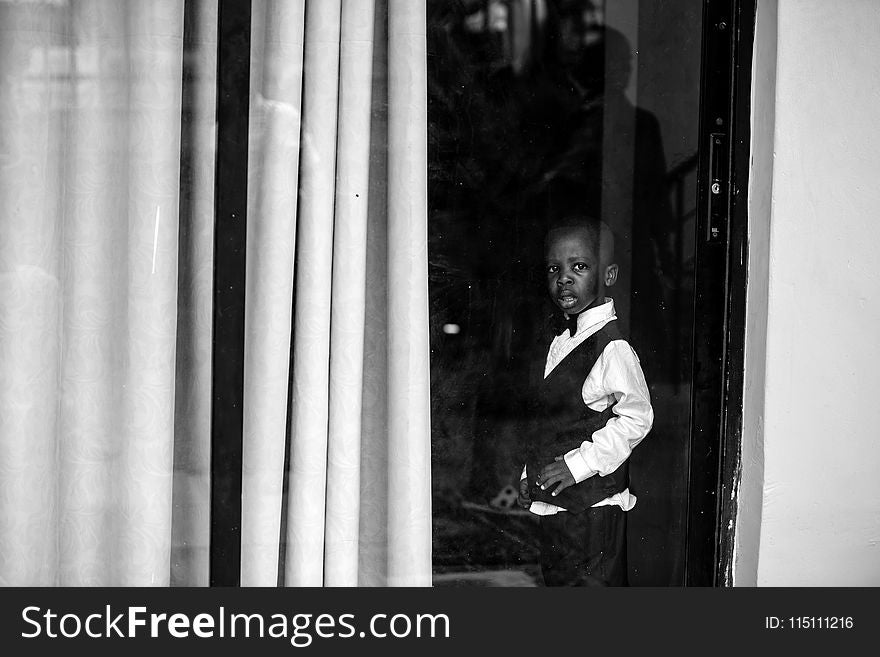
column 560, row 323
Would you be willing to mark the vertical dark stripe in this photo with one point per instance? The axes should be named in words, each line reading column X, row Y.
column 735, row 330
column 726, row 23
column 709, row 301
column 230, row 232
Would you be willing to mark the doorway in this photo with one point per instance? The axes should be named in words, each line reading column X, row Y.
column 623, row 111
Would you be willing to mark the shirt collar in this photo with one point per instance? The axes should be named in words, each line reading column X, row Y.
column 602, row 313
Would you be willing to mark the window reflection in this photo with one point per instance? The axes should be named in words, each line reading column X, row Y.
column 538, row 108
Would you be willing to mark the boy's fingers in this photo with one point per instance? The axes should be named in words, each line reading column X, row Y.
column 555, row 473
column 552, row 473
column 547, row 482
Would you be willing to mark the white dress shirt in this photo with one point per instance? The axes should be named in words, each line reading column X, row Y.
column 616, row 377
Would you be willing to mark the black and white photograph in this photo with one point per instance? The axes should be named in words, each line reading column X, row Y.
column 445, row 295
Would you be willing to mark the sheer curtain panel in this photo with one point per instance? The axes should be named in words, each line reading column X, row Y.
column 107, row 187
column 90, row 111
column 358, row 434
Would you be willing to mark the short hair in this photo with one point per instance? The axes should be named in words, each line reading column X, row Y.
column 598, row 232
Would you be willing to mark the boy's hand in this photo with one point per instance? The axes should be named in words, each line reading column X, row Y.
column 524, row 500
column 553, row 474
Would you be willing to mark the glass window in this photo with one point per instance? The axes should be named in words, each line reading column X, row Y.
column 539, row 110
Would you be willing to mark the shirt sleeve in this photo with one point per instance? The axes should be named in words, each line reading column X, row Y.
column 617, row 375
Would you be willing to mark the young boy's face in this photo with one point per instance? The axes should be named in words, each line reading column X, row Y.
column 575, row 275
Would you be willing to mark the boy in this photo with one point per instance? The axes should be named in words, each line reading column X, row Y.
column 590, row 409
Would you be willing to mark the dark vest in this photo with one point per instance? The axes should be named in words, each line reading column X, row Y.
column 560, row 422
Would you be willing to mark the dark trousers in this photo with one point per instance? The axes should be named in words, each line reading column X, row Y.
column 584, row 549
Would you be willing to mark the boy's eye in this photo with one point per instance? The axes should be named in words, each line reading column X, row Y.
column 580, row 266
column 552, row 269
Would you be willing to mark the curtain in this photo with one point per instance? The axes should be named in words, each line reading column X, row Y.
column 90, row 125
column 107, row 140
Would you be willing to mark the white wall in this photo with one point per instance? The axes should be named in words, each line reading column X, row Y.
column 820, row 521
column 750, row 492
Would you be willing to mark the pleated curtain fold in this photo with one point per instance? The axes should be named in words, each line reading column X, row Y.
column 358, row 504
column 89, row 195
column 107, row 139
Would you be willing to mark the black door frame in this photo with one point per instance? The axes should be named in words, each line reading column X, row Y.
column 720, row 291
column 230, row 237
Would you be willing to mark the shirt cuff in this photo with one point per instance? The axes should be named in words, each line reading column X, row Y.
column 578, row 466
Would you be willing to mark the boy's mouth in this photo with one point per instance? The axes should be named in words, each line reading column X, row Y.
column 566, row 300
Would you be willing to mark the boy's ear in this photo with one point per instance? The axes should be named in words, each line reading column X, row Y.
column 610, row 275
